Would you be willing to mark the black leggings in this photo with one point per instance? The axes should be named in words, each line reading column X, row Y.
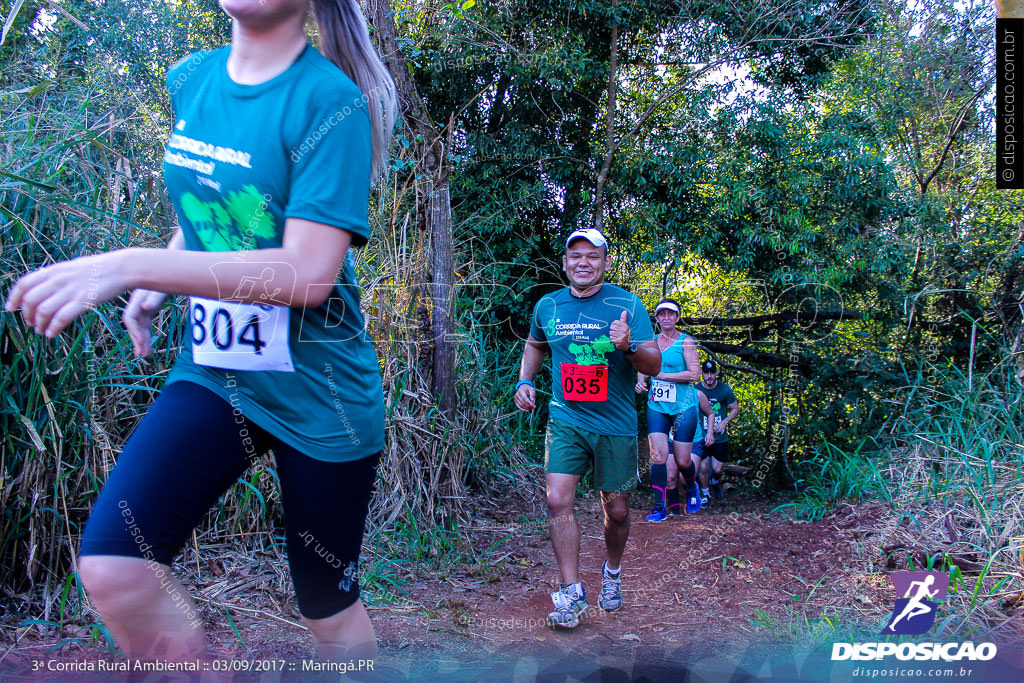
column 187, row 451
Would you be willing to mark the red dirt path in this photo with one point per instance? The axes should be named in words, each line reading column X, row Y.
column 690, row 579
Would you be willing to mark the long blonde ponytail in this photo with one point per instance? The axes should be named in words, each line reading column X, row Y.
column 345, row 41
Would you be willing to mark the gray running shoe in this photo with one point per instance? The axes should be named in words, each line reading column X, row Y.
column 610, row 598
column 569, row 607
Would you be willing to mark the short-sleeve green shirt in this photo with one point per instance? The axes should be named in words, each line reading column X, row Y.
column 576, row 332
column 239, row 161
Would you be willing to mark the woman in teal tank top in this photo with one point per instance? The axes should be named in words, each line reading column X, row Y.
column 672, row 406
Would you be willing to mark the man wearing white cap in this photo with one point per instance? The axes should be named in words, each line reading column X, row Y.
column 598, row 335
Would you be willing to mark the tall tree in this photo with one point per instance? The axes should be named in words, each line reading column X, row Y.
column 431, row 142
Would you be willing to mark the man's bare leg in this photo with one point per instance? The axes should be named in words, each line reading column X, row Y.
column 565, row 534
column 616, row 526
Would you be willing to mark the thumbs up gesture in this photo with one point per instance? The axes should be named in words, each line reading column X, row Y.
column 619, row 333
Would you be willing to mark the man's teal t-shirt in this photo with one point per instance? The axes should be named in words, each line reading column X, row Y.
column 720, row 398
column 674, row 360
column 576, row 332
column 239, row 161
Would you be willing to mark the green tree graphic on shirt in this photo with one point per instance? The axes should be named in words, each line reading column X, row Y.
column 221, row 216
column 593, row 353
column 197, row 212
column 230, row 227
column 200, row 215
column 249, row 210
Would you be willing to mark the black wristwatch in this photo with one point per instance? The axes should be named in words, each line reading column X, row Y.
column 632, row 348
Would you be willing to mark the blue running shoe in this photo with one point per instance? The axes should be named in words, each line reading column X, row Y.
column 611, row 589
column 658, row 515
column 692, row 500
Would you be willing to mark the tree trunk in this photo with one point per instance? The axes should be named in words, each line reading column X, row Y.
column 440, row 220
column 432, row 199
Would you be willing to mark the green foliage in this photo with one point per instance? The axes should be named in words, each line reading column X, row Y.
column 952, row 454
column 975, row 423
column 811, row 157
column 523, row 85
column 833, row 477
column 71, row 185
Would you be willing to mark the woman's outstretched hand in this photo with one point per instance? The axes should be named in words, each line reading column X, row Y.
column 51, row 297
column 138, row 318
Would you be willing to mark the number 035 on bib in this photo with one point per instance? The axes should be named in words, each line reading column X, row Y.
column 235, row 336
column 584, row 382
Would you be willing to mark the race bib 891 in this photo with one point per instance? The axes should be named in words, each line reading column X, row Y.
column 236, row 336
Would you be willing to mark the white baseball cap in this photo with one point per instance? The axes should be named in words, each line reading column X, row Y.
column 591, row 235
column 666, row 305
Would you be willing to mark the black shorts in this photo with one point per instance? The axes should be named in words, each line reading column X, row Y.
column 184, row 455
column 718, row 451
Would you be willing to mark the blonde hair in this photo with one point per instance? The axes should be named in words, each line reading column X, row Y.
column 345, row 41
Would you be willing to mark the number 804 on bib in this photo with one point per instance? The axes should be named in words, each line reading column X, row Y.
column 236, row 336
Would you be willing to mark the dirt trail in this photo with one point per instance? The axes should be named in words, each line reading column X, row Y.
column 693, row 574
column 692, row 579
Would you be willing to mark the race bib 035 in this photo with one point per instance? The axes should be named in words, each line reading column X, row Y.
column 584, row 382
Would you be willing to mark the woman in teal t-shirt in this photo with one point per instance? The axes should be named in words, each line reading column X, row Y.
column 270, row 158
column 672, row 406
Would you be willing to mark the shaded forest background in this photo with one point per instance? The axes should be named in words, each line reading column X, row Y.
column 813, row 180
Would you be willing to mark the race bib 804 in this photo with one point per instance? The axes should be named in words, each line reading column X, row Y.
column 236, row 336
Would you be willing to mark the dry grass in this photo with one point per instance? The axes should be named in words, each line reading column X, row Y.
column 79, row 181
column 979, row 543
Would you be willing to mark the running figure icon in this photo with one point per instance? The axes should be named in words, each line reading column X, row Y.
column 915, row 606
column 918, row 595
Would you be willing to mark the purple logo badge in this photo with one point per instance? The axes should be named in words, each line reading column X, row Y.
column 914, row 612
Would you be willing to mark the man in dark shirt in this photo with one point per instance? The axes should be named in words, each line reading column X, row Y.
column 726, row 408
